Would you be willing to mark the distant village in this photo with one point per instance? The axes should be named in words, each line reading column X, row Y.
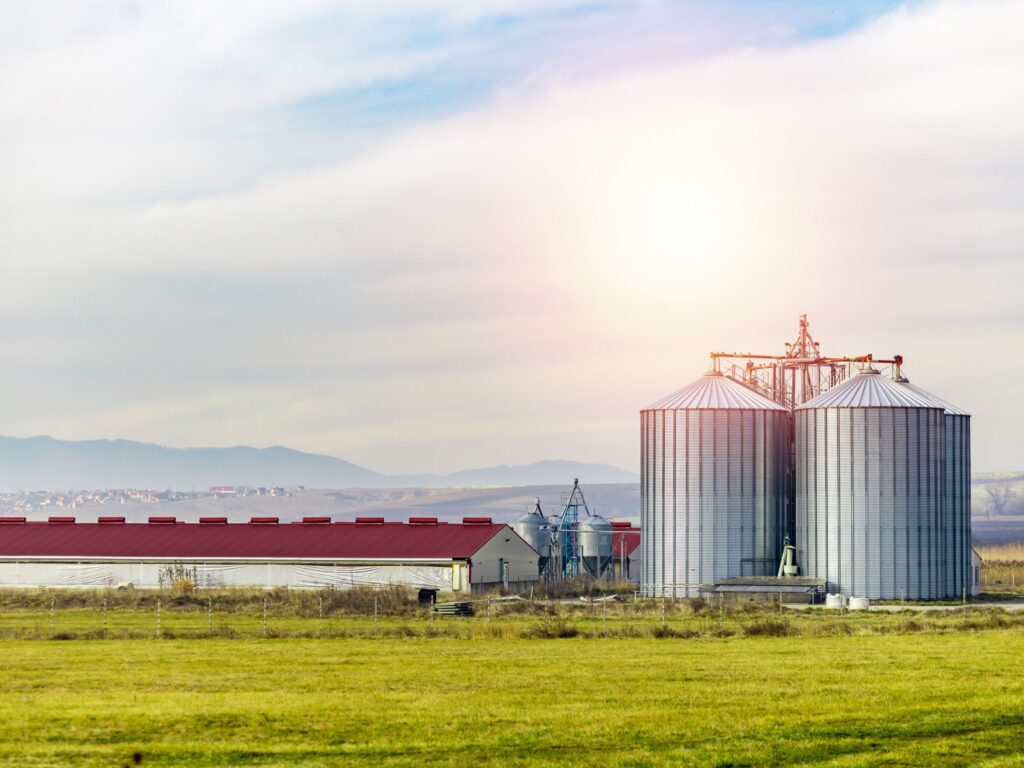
column 35, row 501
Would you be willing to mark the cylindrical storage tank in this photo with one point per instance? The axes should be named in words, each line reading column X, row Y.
column 534, row 529
column 957, row 493
column 595, row 544
column 713, row 465
column 870, row 466
column 835, row 601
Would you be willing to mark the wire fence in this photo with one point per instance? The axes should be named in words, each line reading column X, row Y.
column 108, row 615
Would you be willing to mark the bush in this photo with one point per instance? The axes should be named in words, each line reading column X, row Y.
column 183, row 587
column 768, row 628
column 697, row 604
column 664, row 630
column 550, row 630
column 522, row 608
column 988, row 621
column 392, row 600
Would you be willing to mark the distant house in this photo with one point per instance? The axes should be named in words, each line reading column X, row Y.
column 472, row 556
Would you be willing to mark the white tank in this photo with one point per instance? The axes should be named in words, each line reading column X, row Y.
column 858, row 604
column 835, row 601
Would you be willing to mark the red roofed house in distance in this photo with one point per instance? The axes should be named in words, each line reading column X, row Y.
column 474, row 555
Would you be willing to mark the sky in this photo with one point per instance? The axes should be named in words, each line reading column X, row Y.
column 425, row 236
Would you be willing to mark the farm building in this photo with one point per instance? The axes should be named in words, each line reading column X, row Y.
column 472, row 556
column 625, row 562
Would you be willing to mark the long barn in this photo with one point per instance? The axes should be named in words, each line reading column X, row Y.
column 472, row 556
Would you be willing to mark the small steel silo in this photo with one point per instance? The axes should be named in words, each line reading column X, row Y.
column 714, row 459
column 870, row 465
column 957, row 492
column 535, row 530
column 595, row 544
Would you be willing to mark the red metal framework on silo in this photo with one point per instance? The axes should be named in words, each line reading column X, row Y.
column 798, row 375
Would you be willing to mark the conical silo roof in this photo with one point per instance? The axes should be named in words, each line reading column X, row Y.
column 595, row 522
column 713, row 391
column 951, row 409
column 869, row 389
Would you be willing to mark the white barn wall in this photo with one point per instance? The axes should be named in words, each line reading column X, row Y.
column 505, row 546
column 293, row 575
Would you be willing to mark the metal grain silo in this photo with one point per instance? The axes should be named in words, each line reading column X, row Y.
column 870, row 465
column 714, row 460
column 595, row 544
column 535, row 530
column 957, row 492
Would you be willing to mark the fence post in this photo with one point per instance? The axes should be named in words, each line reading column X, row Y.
column 965, row 603
column 159, row 633
column 605, row 611
column 104, row 619
column 209, row 616
column 264, row 617
column 375, row 615
column 53, row 605
column 320, row 620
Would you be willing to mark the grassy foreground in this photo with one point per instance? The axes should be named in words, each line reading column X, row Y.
column 930, row 699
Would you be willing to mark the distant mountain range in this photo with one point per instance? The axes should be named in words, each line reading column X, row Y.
column 45, row 463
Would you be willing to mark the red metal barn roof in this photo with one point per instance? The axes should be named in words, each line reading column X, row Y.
column 386, row 541
column 628, row 537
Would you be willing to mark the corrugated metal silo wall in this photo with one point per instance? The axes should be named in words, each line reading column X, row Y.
column 531, row 532
column 870, row 512
column 958, row 504
column 713, row 496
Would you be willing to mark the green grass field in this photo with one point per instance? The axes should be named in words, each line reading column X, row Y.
column 851, row 690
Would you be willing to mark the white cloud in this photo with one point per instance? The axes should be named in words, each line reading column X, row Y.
column 516, row 281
